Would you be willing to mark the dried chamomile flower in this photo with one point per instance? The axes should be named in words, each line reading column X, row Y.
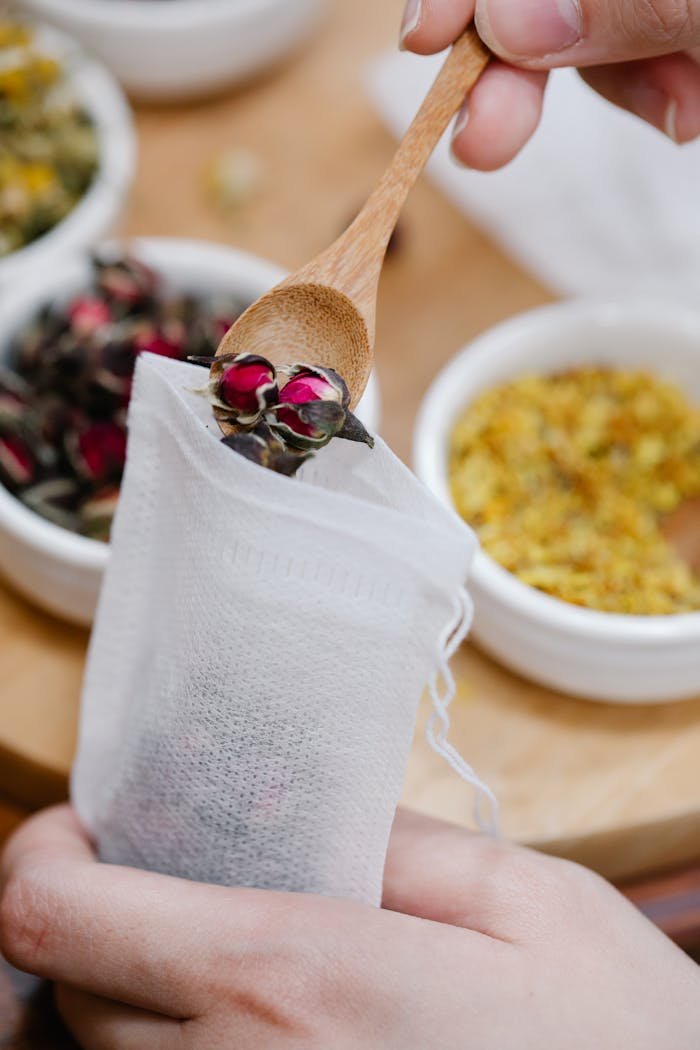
column 233, row 179
column 48, row 144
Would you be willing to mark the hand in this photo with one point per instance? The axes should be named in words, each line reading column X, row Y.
column 644, row 55
column 509, row 950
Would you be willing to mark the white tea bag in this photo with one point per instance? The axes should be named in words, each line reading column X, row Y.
column 259, row 651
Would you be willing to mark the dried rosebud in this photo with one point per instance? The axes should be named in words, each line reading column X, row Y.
column 14, row 396
column 309, row 425
column 261, row 446
column 158, row 344
column 98, row 451
column 313, row 383
column 88, row 314
column 109, row 386
column 353, row 430
column 18, row 465
column 117, row 357
column 55, row 416
column 313, row 407
column 126, row 281
column 242, row 388
column 328, row 385
column 98, row 511
column 55, row 499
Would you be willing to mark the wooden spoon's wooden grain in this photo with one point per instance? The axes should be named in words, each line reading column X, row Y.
column 325, row 313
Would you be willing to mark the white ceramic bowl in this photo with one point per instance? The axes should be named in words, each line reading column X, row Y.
column 172, row 49
column 602, row 656
column 58, row 569
column 95, row 214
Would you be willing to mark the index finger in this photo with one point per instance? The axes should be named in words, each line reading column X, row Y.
column 429, row 26
column 55, row 831
column 149, row 940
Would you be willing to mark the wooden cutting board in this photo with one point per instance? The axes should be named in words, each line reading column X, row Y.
column 616, row 787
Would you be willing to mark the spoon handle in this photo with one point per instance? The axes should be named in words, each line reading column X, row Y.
column 353, row 262
column 462, row 68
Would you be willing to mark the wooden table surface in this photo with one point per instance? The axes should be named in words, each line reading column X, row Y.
column 615, row 787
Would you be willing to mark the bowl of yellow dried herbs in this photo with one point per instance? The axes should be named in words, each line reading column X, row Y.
column 69, row 343
column 569, row 439
column 67, row 148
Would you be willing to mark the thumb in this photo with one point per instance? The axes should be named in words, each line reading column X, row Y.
column 542, row 34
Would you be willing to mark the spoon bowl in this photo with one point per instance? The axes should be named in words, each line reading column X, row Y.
column 306, row 322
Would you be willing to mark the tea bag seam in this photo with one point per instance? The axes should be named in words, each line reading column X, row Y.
column 356, row 587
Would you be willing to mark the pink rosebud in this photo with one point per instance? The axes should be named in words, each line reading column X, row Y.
column 126, row 281
column 97, row 512
column 17, row 464
column 157, row 344
column 309, row 383
column 221, row 326
column 87, row 314
column 309, row 424
column 245, row 387
column 14, row 396
column 307, row 386
column 289, row 417
column 312, row 406
column 98, row 451
column 11, row 406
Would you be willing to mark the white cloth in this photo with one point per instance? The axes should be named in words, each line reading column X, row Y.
column 598, row 203
column 259, row 651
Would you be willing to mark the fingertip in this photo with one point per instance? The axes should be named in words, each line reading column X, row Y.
column 55, row 833
column 502, row 113
column 429, row 26
column 664, row 91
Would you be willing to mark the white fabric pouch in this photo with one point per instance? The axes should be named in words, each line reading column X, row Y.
column 259, row 651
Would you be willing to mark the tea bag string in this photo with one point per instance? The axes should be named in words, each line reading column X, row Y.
column 485, row 802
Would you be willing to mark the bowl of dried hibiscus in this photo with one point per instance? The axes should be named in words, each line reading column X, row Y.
column 69, row 344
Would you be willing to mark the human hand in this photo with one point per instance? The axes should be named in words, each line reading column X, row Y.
column 643, row 55
column 509, row 950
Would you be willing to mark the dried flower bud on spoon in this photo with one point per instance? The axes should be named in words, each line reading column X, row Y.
column 279, row 426
column 243, row 389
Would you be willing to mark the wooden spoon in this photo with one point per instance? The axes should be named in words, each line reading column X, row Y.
column 325, row 313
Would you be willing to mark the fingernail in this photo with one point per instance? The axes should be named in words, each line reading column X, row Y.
column 411, row 20
column 461, row 120
column 530, row 28
column 460, row 124
column 670, row 126
column 659, row 109
column 682, row 123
